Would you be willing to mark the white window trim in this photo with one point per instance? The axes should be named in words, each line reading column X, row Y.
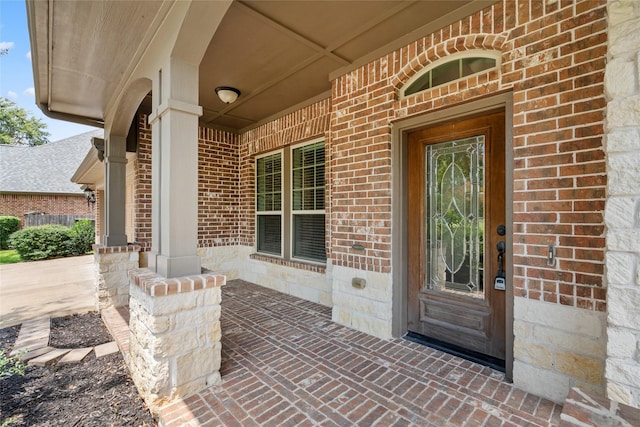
column 473, row 53
column 281, row 212
column 293, row 212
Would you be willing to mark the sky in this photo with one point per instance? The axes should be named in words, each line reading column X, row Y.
column 16, row 73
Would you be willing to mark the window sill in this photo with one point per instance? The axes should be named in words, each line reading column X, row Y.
column 316, row 268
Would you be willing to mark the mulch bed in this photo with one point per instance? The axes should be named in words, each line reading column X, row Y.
column 94, row 392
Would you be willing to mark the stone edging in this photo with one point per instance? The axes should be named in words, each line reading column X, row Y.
column 32, row 346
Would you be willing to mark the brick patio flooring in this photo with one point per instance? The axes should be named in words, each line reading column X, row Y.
column 284, row 363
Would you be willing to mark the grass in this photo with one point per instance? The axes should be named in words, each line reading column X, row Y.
column 9, row 256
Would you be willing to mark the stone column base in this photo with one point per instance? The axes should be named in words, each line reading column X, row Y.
column 112, row 264
column 175, row 347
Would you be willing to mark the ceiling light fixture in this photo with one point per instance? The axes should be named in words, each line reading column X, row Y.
column 227, row 94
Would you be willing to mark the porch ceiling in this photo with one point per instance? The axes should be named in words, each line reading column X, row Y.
column 278, row 53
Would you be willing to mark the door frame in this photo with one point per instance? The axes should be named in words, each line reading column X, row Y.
column 399, row 207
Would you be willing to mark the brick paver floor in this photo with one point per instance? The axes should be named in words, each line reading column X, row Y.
column 285, row 363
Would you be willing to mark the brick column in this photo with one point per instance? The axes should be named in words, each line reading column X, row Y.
column 622, row 86
column 175, row 347
column 112, row 265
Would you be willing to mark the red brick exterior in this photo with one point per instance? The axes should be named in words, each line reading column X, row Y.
column 142, row 187
column 553, row 58
column 16, row 204
column 218, row 188
column 218, row 192
column 552, row 61
column 307, row 123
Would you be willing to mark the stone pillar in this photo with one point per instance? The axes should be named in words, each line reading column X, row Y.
column 174, row 345
column 622, row 214
column 174, row 151
column 115, row 176
column 112, row 264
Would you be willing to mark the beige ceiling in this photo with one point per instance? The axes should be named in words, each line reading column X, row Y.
column 279, row 54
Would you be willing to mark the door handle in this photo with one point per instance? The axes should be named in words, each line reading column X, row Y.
column 500, row 282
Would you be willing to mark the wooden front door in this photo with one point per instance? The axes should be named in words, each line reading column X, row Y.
column 456, row 232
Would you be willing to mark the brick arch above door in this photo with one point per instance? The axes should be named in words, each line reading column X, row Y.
column 444, row 49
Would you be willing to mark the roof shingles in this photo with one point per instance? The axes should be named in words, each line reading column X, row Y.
column 46, row 168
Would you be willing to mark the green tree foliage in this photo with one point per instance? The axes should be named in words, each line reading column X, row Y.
column 8, row 225
column 18, row 127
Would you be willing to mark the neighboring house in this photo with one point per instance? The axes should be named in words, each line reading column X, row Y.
column 37, row 180
column 465, row 172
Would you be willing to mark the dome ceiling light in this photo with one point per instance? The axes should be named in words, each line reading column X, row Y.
column 227, row 94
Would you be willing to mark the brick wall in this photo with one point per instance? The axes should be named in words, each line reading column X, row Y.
column 553, row 57
column 218, row 201
column 142, row 192
column 307, row 123
column 19, row 204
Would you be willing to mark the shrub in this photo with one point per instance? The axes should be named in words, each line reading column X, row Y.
column 10, row 365
column 81, row 237
column 40, row 242
column 8, row 225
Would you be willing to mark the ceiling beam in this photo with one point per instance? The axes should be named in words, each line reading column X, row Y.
column 321, row 51
column 442, row 21
column 216, row 114
column 357, row 32
column 291, row 33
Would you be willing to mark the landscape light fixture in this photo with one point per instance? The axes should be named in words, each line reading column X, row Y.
column 227, row 94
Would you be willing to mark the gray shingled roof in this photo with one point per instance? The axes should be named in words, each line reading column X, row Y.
column 46, row 168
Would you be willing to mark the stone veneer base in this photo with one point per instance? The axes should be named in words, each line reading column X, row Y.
column 112, row 263
column 175, row 347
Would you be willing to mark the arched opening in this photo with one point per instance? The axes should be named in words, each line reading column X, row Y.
column 452, row 68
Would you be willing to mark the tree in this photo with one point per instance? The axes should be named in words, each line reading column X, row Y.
column 18, row 127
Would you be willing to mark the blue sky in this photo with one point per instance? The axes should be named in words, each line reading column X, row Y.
column 16, row 74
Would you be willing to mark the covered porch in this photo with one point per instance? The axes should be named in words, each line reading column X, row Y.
column 563, row 74
column 284, row 362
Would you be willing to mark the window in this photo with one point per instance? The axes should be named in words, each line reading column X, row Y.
column 451, row 69
column 308, row 202
column 269, row 203
column 290, row 214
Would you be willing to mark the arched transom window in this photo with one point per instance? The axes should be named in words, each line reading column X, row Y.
column 454, row 67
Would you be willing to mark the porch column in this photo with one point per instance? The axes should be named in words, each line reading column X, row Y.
column 174, row 233
column 115, row 173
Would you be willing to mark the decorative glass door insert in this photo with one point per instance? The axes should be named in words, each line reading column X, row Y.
column 455, row 216
column 456, row 191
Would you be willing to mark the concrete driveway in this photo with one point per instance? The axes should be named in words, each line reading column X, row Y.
column 54, row 287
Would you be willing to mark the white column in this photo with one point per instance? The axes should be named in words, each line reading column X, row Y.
column 175, row 170
column 115, row 175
